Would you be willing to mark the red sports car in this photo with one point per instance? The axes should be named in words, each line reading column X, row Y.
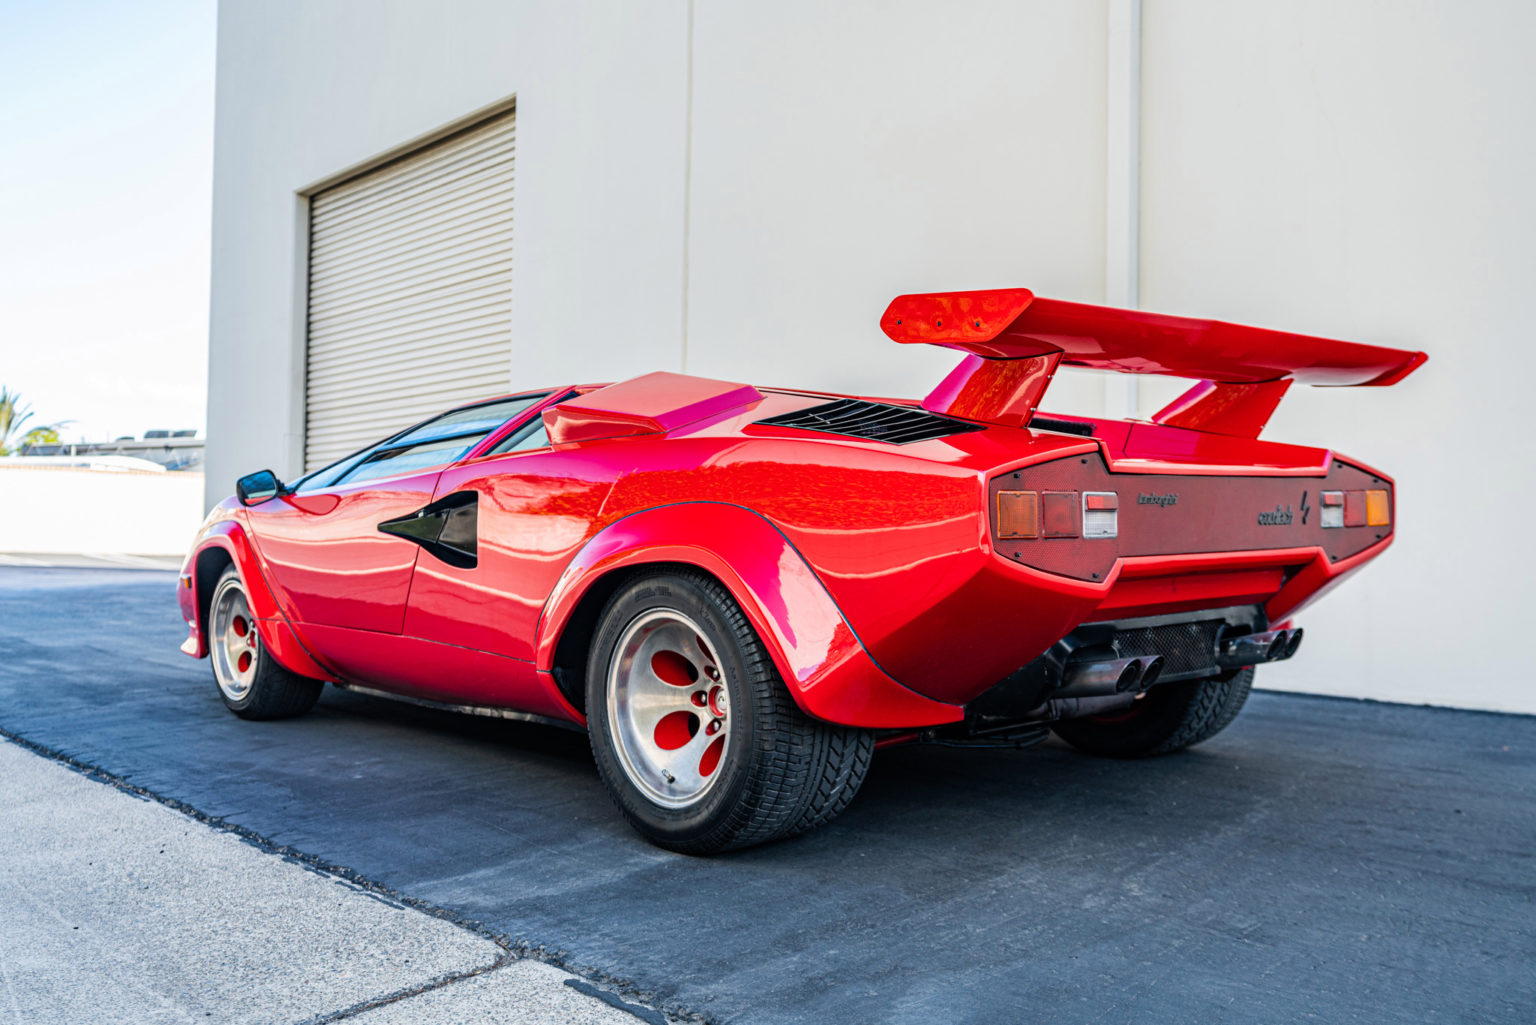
column 740, row 593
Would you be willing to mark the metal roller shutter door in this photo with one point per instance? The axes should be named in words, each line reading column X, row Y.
column 410, row 291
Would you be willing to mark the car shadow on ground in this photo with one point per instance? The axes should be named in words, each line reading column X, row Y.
column 915, row 796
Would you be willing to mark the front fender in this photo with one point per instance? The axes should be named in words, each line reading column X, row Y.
column 829, row 673
column 228, row 534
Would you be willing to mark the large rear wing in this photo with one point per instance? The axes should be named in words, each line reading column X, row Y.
column 1015, row 342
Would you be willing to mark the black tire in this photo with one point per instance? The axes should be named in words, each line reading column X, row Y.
column 259, row 688
column 1171, row 717
column 781, row 772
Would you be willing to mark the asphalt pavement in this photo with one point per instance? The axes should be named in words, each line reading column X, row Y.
column 1321, row 860
column 119, row 909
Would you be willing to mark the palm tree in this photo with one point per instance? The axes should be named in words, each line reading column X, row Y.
column 14, row 415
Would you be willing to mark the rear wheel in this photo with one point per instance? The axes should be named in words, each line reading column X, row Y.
column 1171, row 717
column 694, row 734
column 251, row 682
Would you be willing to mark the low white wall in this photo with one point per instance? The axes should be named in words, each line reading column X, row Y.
column 68, row 510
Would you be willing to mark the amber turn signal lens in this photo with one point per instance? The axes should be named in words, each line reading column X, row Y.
column 1018, row 514
column 1378, row 510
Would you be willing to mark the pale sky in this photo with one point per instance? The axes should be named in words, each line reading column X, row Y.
column 106, row 165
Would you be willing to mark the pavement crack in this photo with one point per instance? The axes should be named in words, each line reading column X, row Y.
column 645, row 1014
column 405, row 994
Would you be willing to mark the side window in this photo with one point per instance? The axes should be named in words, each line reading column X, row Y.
column 405, row 457
column 437, row 442
column 531, row 435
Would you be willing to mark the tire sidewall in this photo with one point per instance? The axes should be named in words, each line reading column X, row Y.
column 713, row 811
column 1168, row 719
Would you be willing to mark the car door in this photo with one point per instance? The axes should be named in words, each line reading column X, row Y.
column 342, row 544
column 536, row 507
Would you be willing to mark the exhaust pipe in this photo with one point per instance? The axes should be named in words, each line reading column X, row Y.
column 1076, row 708
column 1115, row 676
column 1251, row 649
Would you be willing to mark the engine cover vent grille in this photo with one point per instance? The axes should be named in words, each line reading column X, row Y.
column 856, row 418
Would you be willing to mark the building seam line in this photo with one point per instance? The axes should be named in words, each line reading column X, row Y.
column 687, row 187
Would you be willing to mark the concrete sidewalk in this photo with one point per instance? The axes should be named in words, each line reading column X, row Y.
column 114, row 908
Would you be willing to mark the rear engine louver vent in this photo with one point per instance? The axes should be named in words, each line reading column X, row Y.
column 898, row 425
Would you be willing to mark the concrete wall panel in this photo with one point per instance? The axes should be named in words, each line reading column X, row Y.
column 843, row 154
column 1363, row 171
column 310, row 89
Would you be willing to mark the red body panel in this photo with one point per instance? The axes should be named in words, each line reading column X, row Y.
column 646, row 405
column 873, row 572
column 334, row 566
column 827, row 670
column 223, row 532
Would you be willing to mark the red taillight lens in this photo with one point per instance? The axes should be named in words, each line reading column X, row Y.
column 1058, row 511
column 1354, row 508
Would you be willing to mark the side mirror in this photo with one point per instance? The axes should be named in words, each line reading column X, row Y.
column 258, row 487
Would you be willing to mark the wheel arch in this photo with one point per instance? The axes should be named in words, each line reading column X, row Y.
column 823, row 663
column 225, row 545
column 573, row 647
column 209, row 565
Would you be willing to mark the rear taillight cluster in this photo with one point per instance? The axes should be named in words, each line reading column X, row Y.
column 1356, row 508
column 1028, row 515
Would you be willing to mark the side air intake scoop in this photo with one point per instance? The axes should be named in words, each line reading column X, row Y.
column 1244, row 370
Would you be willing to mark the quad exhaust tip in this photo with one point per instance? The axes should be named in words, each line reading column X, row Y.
column 1112, row 676
column 1106, row 678
column 1252, row 649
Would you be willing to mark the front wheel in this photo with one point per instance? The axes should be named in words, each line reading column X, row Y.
column 251, row 682
column 695, row 735
column 1171, row 717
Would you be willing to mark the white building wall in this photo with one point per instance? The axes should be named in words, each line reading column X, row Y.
column 738, row 189
column 69, row 510
column 308, row 90
column 1364, row 171
column 846, row 153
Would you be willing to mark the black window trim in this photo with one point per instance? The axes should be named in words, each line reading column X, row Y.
column 516, row 424
column 540, row 400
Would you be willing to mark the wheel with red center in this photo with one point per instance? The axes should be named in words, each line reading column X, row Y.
column 694, row 733
column 251, row 682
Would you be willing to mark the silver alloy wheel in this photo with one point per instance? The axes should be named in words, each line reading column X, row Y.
column 233, row 641
column 668, row 708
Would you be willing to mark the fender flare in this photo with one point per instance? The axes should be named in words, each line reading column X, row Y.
column 826, row 668
column 277, row 636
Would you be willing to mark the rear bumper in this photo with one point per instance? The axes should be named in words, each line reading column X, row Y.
column 1006, row 615
column 1281, row 580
